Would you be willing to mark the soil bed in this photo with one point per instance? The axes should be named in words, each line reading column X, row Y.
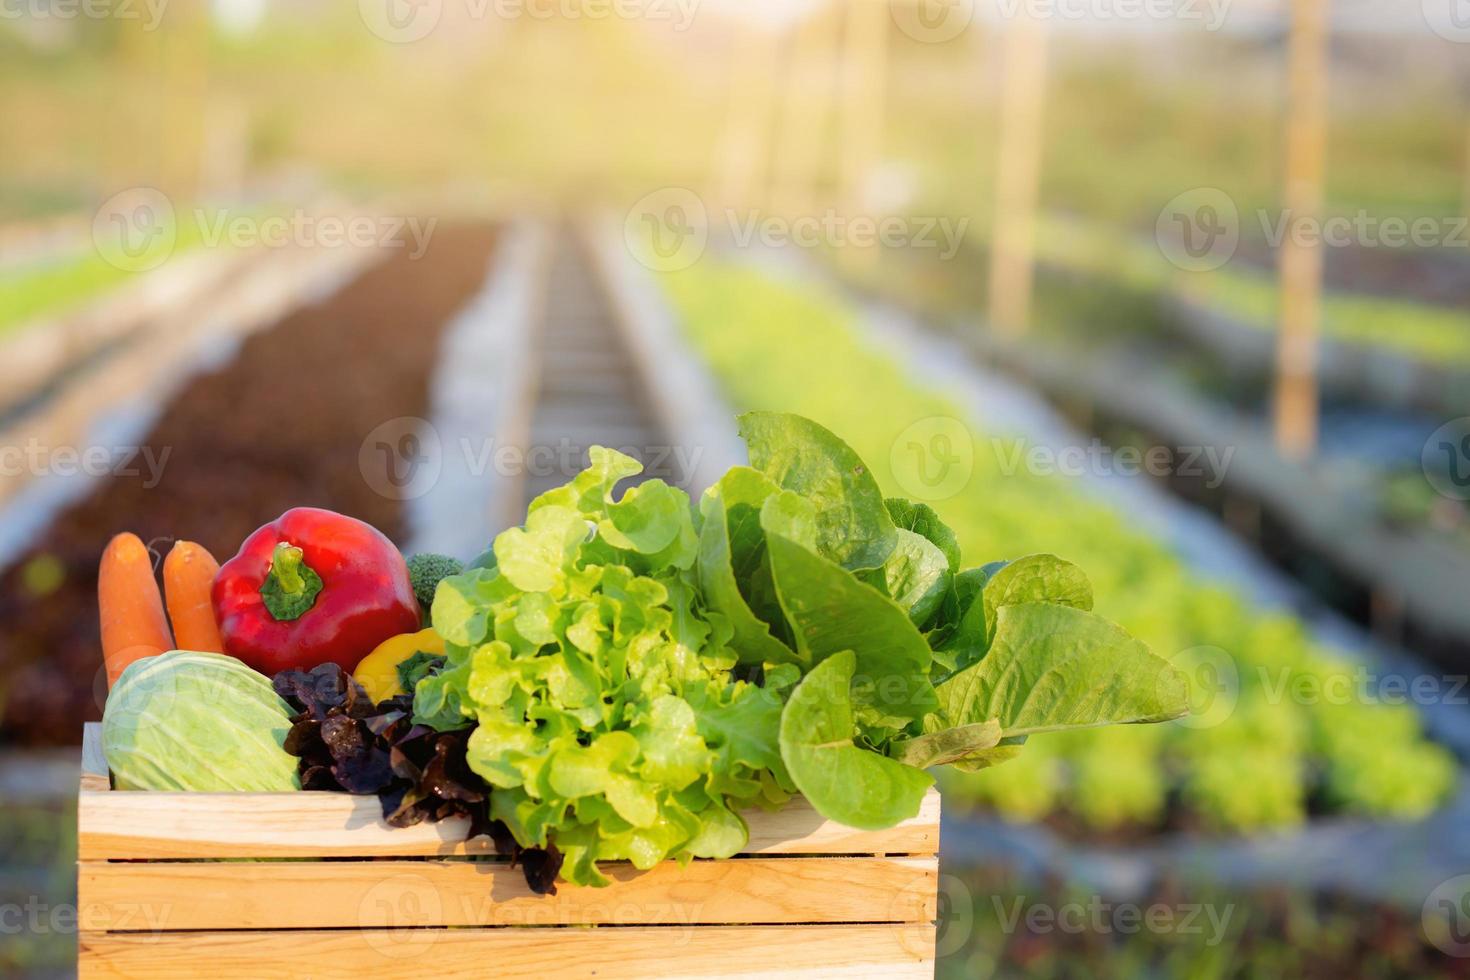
column 279, row 426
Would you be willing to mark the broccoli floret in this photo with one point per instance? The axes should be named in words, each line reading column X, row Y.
column 425, row 572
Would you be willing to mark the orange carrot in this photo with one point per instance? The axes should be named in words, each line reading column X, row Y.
column 188, row 576
column 133, row 625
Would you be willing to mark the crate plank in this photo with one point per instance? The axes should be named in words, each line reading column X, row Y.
column 392, row 894
column 125, row 825
column 129, row 825
column 632, row 952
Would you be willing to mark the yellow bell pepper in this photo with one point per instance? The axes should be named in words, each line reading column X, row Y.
column 378, row 671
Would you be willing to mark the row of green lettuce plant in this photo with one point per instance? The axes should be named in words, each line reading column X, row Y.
column 1282, row 726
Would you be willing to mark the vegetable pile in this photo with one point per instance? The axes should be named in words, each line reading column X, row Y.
column 635, row 672
column 620, row 677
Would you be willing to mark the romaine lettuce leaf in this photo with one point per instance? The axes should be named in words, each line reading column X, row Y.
column 958, row 638
column 831, row 611
column 1052, row 667
column 1035, row 578
column 947, row 745
column 916, row 576
column 842, row 781
column 924, row 521
column 732, row 549
column 969, row 612
column 852, row 526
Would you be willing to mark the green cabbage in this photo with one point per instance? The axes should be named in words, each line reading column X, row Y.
column 197, row 722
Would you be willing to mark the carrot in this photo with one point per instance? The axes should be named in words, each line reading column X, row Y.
column 131, row 609
column 188, row 576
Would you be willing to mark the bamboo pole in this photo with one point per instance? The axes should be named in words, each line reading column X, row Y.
column 1018, row 175
column 865, row 86
column 1296, row 405
column 134, row 135
column 804, row 122
column 746, row 146
column 226, row 151
column 1465, row 199
column 185, row 70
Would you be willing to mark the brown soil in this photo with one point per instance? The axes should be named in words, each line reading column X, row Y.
column 278, row 427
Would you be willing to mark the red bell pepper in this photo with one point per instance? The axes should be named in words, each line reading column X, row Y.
column 312, row 587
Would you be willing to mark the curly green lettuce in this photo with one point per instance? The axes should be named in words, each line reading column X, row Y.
column 607, row 717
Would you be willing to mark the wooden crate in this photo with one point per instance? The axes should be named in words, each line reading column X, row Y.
column 346, row 895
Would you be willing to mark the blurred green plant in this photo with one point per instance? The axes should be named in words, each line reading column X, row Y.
column 31, row 293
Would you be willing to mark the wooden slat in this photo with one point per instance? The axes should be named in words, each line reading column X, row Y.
column 798, row 829
column 669, row 951
column 125, row 825
column 155, row 896
column 133, row 825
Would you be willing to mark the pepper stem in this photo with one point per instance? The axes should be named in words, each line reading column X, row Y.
column 286, row 567
column 291, row 586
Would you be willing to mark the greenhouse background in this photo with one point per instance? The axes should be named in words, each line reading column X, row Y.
column 1178, row 290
